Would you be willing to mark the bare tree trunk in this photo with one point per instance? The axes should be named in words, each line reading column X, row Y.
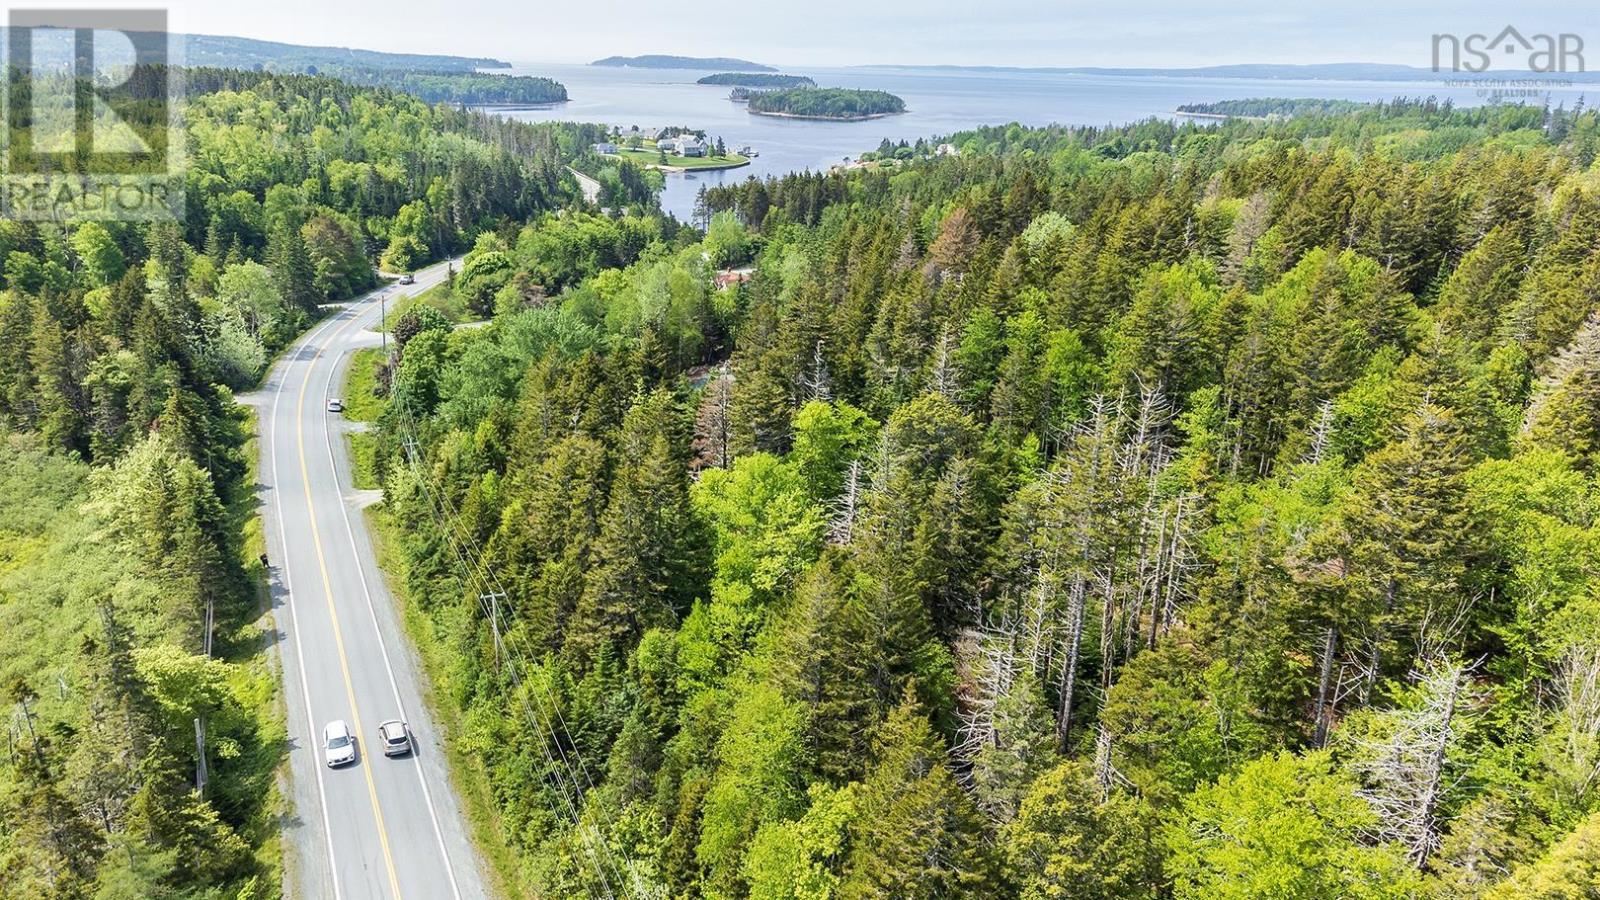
column 1069, row 670
column 842, row 528
column 1435, row 776
column 1403, row 763
column 1108, row 644
column 1375, row 643
column 1169, row 600
column 1104, row 772
column 1324, row 689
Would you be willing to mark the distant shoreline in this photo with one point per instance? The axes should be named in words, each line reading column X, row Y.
column 1220, row 117
column 667, row 61
column 719, row 167
column 861, row 118
column 518, row 107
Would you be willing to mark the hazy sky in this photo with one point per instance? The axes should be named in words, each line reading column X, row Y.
column 849, row 32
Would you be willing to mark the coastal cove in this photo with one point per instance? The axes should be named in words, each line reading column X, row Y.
column 938, row 102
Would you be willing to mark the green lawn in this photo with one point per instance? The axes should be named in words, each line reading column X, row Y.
column 649, row 156
column 439, row 297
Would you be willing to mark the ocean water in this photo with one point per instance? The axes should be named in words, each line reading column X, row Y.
column 938, row 101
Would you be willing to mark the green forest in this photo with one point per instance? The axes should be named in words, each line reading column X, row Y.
column 1171, row 510
column 250, row 53
column 825, row 103
column 1272, row 106
column 126, row 467
column 1160, row 511
column 470, row 88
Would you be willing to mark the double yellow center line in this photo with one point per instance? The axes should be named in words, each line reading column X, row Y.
column 327, row 590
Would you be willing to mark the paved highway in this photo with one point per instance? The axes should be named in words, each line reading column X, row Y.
column 381, row 828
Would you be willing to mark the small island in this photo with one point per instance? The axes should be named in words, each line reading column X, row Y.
column 758, row 80
column 830, row 104
column 662, row 61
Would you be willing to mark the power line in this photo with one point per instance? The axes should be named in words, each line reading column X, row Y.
column 469, row 572
column 489, row 586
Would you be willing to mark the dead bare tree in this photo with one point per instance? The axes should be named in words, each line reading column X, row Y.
column 714, row 423
column 842, row 526
column 942, row 379
column 817, row 382
column 1321, row 433
column 992, row 670
column 1325, row 687
column 1576, row 730
column 1404, row 764
column 1106, row 775
column 1069, row 669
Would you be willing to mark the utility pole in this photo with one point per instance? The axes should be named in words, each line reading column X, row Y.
column 201, row 775
column 493, row 598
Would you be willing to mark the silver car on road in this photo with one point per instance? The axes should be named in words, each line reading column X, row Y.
column 394, row 736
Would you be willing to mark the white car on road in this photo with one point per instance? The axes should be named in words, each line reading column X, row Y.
column 338, row 744
column 335, row 405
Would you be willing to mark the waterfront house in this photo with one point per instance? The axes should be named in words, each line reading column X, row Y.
column 689, row 146
column 727, row 278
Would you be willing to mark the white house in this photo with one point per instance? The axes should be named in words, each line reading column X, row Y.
column 605, row 147
column 689, row 146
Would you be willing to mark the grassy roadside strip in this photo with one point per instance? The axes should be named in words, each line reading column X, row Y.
column 440, row 297
column 467, row 774
column 256, row 674
column 361, row 404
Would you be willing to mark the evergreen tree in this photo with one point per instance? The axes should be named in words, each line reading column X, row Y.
column 644, row 566
column 292, row 271
column 1074, row 842
column 917, row 835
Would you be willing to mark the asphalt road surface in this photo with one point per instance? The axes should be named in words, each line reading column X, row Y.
column 382, row 827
